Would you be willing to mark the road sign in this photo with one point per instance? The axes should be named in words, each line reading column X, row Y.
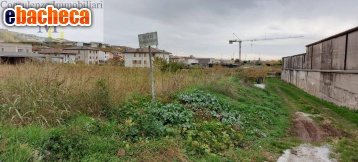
column 148, row 39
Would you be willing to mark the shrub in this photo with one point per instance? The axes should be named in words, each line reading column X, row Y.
column 212, row 137
column 200, row 100
column 209, row 104
column 102, row 98
column 153, row 120
column 173, row 114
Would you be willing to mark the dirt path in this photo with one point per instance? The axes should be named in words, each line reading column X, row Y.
column 309, row 131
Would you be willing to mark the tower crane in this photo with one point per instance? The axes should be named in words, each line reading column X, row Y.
column 252, row 40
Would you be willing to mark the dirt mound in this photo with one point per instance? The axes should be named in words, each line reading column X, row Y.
column 306, row 129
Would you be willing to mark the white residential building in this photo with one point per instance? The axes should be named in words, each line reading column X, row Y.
column 87, row 55
column 103, row 56
column 204, row 62
column 140, row 57
column 191, row 61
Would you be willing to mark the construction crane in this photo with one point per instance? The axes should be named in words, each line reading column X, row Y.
column 252, row 40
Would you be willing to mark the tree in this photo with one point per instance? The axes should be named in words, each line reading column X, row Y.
column 164, row 65
column 116, row 61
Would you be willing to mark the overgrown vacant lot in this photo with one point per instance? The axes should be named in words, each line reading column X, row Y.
column 96, row 113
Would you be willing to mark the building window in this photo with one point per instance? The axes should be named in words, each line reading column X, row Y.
column 145, row 62
column 78, row 51
column 90, row 57
column 135, row 55
column 90, row 51
column 2, row 49
column 145, row 55
column 20, row 50
column 27, row 50
column 139, row 61
column 140, row 55
column 134, row 62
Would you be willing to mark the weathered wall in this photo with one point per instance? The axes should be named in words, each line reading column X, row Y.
column 328, row 69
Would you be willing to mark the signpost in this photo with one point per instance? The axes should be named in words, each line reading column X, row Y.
column 149, row 39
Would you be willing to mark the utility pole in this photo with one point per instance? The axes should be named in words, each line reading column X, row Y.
column 151, row 74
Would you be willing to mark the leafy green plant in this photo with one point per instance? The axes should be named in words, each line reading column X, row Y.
column 208, row 103
column 154, row 120
column 200, row 100
column 173, row 114
column 102, row 98
column 212, row 137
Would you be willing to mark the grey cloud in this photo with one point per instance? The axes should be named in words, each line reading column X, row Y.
column 203, row 27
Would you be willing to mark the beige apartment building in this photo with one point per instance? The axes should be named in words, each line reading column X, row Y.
column 87, row 55
column 15, row 47
column 16, row 53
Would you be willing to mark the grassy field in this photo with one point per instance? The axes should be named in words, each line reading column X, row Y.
column 89, row 113
column 340, row 118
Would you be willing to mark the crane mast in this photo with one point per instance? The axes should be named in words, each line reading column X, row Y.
column 252, row 40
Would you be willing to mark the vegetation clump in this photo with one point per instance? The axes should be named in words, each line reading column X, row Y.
column 201, row 114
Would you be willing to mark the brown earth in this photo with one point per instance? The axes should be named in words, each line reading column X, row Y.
column 309, row 131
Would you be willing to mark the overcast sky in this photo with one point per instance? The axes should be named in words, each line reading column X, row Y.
column 204, row 27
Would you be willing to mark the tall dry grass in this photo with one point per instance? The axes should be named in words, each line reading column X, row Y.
column 48, row 94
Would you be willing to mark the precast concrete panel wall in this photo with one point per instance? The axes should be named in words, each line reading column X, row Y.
column 328, row 69
column 338, row 52
column 352, row 51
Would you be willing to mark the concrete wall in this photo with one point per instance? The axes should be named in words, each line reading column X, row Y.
column 328, row 69
column 340, row 89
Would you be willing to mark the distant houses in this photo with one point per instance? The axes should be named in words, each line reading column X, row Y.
column 93, row 53
column 191, row 60
column 59, row 55
column 140, row 57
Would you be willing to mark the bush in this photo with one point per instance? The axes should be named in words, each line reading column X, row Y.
column 166, row 66
column 200, row 100
column 207, row 103
column 154, row 120
column 212, row 137
column 173, row 114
